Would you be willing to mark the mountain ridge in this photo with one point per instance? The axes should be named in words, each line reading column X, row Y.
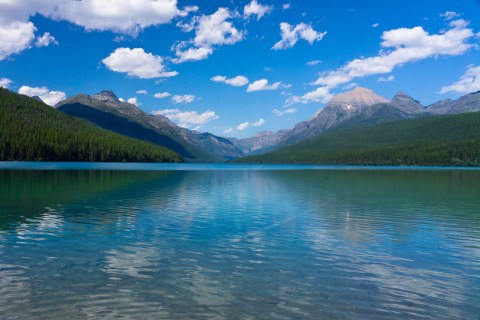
column 194, row 146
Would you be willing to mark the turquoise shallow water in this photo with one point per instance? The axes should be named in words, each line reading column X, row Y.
column 228, row 242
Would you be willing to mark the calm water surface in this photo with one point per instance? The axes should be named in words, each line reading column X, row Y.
column 240, row 244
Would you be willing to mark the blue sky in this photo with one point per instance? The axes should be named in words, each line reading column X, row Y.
column 235, row 68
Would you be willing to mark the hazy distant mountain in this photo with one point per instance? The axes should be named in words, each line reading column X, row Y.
column 260, row 143
column 467, row 103
column 107, row 111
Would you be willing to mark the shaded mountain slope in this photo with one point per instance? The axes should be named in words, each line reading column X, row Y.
column 30, row 131
column 194, row 146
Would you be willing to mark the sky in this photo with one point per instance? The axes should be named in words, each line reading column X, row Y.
column 236, row 68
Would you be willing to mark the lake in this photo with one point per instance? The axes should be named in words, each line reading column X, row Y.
column 186, row 241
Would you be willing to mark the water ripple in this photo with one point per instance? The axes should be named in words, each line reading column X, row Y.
column 274, row 244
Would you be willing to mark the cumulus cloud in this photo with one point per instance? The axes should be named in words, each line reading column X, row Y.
column 286, row 6
column 237, row 81
column 283, row 112
column 375, row 25
column 263, row 84
column 254, row 8
column 141, row 91
column 161, row 95
column 5, row 83
column 121, row 16
column 49, row 97
column 402, row 46
column 290, row 35
column 137, row 63
column 186, row 98
column 188, row 118
column 15, row 37
column 228, row 130
column 469, row 82
column 320, row 94
column 133, row 100
column 45, row 40
column 244, row 125
column 386, row 79
column 210, row 31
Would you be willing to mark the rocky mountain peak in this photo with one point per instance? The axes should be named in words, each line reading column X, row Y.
column 357, row 97
column 406, row 103
column 403, row 97
column 106, row 96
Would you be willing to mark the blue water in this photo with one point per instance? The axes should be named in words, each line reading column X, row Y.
column 238, row 242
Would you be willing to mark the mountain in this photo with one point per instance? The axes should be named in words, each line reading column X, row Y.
column 341, row 108
column 32, row 131
column 467, row 103
column 362, row 107
column 105, row 110
column 445, row 140
column 260, row 143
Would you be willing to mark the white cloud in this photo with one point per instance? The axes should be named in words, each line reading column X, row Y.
column 134, row 101
column 254, row 8
column 191, row 54
column 286, row 6
column 313, row 62
column 244, row 125
column 210, row 30
column 386, row 79
column 262, row 84
column 469, row 82
column 187, row 118
column 187, row 98
column 402, row 46
column 320, row 94
column 141, row 91
column 161, row 95
column 15, row 36
column 290, row 35
column 449, row 15
column 122, row 16
column 259, row 123
column 375, row 25
column 46, row 40
column 5, row 83
column 137, row 63
column 49, row 97
column 187, row 10
column 237, row 81
column 280, row 113
column 227, row 131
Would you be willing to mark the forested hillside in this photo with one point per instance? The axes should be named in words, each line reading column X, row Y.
column 32, row 131
column 451, row 140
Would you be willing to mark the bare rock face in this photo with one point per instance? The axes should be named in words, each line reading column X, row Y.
column 106, row 96
column 406, row 103
column 358, row 97
column 341, row 108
